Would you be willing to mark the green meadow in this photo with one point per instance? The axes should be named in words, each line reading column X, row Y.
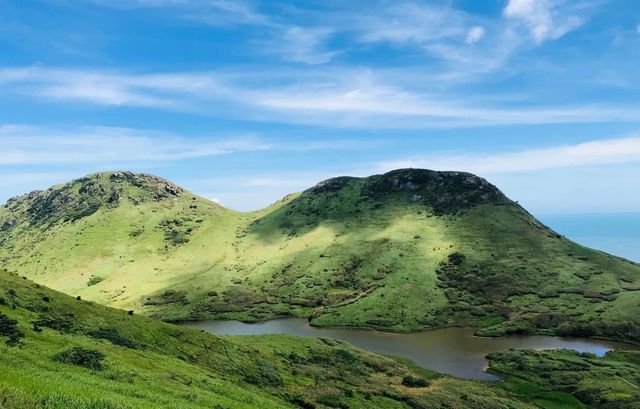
column 57, row 351
column 405, row 251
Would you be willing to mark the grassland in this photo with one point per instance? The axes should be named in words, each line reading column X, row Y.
column 408, row 250
column 61, row 352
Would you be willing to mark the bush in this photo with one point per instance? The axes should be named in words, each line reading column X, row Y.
column 81, row 357
column 112, row 335
column 94, row 280
column 176, row 238
column 267, row 375
column 9, row 329
column 411, row 381
column 60, row 323
column 332, row 401
column 456, row 258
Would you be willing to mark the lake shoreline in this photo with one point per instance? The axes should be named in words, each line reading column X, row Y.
column 454, row 351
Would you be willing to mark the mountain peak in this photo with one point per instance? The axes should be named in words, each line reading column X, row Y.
column 84, row 196
column 444, row 191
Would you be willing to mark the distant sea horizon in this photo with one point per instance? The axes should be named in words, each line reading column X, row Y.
column 614, row 233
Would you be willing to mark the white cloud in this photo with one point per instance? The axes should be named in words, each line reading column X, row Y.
column 331, row 97
column 474, row 34
column 215, row 12
column 543, row 18
column 595, row 176
column 29, row 145
column 406, row 23
column 306, row 45
column 598, row 152
column 35, row 145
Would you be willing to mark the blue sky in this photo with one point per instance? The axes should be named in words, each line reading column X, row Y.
column 244, row 101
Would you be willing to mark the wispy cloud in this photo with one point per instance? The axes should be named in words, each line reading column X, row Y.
column 303, row 34
column 545, row 19
column 218, row 12
column 305, row 45
column 331, row 97
column 36, row 145
column 409, row 23
column 30, row 145
column 292, row 41
column 474, row 34
column 593, row 153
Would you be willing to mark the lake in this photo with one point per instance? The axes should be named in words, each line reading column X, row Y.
column 453, row 351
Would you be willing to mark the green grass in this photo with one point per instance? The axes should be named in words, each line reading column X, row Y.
column 567, row 379
column 369, row 252
column 63, row 359
column 60, row 352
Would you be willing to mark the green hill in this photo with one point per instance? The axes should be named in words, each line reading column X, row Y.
column 408, row 250
column 60, row 352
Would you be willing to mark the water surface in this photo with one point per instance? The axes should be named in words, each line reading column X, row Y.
column 615, row 233
column 453, row 351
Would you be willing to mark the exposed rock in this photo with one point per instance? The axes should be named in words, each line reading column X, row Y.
column 85, row 196
column 332, row 185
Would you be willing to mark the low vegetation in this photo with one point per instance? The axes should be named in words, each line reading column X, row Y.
column 81, row 357
column 98, row 357
column 404, row 251
column 567, row 379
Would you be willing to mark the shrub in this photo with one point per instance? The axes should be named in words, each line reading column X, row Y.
column 411, row 381
column 332, row 401
column 9, row 329
column 176, row 238
column 269, row 373
column 60, row 323
column 168, row 297
column 112, row 335
column 81, row 357
column 456, row 258
column 93, row 280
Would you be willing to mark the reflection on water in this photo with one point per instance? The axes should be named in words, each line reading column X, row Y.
column 453, row 351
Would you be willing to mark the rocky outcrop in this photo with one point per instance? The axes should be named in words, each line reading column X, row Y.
column 83, row 197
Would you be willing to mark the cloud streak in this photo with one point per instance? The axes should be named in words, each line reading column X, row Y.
column 30, row 145
column 593, row 153
column 34, row 145
column 359, row 98
column 544, row 19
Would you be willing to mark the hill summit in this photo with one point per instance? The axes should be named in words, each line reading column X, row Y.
column 407, row 250
column 84, row 196
column 444, row 192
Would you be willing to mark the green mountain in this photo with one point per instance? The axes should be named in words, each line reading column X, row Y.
column 59, row 352
column 408, row 250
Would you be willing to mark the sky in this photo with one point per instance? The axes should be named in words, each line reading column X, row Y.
column 244, row 101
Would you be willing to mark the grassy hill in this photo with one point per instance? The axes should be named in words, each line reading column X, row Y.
column 408, row 250
column 61, row 352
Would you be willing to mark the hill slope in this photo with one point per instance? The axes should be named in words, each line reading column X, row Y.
column 407, row 250
column 60, row 352
column 89, row 356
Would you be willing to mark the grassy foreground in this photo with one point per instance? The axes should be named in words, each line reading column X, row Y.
column 408, row 250
column 60, row 352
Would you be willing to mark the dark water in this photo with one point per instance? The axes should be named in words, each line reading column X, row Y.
column 453, row 351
